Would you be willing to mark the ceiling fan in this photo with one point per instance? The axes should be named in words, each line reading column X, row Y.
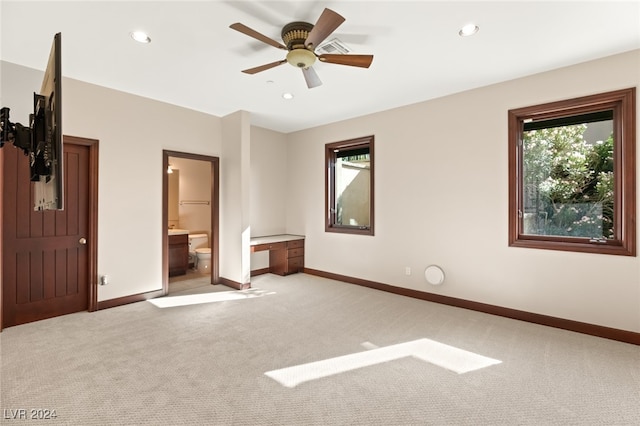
column 301, row 39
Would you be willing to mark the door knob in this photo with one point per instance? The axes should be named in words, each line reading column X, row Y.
column 82, row 241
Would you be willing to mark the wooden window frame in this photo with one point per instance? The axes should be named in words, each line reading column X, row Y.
column 623, row 104
column 330, row 192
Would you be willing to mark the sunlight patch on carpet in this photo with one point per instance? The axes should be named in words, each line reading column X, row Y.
column 198, row 299
column 445, row 356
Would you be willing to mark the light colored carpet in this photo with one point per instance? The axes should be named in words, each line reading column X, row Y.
column 205, row 363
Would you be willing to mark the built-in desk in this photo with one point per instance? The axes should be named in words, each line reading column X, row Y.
column 286, row 252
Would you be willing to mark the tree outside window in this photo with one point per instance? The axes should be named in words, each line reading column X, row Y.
column 572, row 175
column 568, row 182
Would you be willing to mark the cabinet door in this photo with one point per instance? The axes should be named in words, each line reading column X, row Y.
column 295, row 264
column 295, row 256
column 295, row 252
column 178, row 254
column 278, row 261
column 295, row 244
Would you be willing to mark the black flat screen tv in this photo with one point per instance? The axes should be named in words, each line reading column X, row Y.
column 46, row 135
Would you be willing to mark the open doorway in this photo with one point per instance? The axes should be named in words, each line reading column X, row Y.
column 210, row 201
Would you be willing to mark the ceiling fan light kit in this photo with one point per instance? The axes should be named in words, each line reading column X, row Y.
column 301, row 39
column 301, row 58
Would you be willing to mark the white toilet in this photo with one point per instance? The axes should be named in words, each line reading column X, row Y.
column 201, row 253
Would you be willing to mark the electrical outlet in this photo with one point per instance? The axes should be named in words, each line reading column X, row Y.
column 407, row 270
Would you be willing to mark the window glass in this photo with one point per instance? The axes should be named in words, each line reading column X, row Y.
column 568, row 179
column 350, row 186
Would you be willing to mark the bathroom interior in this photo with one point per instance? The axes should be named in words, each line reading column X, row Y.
column 189, row 223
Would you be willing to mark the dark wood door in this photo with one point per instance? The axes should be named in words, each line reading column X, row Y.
column 45, row 261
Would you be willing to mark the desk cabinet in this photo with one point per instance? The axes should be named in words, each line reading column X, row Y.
column 285, row 257
column 178, row 254
column 295, row 257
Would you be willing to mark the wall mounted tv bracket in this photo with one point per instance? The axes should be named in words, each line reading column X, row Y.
column 15, row 133
column 31, row 140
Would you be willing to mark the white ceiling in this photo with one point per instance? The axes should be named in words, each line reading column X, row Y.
column 195, row 59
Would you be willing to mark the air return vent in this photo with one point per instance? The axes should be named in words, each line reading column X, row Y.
column 333, row 46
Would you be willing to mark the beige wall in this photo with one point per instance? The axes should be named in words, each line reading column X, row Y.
column 130, row 194
column 268, row 182
column 441, row 198
column 268, row 188
column 235, row 198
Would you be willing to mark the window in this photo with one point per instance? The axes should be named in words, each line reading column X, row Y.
column 349, row 186
column 572, row 175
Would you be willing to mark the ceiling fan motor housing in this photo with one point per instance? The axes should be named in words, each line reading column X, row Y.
column 294, row 36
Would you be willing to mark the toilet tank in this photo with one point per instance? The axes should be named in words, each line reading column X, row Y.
column 197, row 241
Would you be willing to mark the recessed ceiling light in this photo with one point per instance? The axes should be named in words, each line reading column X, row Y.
column 468, row 30
column 140, row 37
column 287, row 96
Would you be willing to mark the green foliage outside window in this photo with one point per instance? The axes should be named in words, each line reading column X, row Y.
column 568, row 183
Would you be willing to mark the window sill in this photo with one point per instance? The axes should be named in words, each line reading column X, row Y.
column 356, row 230
column 579, row 247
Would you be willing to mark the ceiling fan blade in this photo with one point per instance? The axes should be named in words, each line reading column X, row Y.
column 327, row 23
column 311, row 77
column 363, row 61
column 253, row 33
column 263, row 67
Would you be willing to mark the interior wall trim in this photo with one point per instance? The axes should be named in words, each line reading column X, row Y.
column 93, row 145
column 260, row 271
column 1, row 236
column 234, row 284
column 565, row 324
column 140, row 297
